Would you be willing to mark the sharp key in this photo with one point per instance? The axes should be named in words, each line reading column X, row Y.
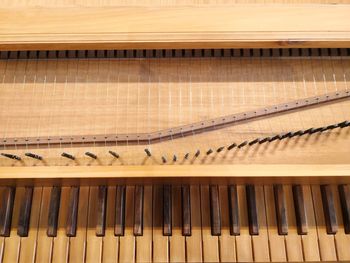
column 101, row 211
column 215, row 215
column 24, row 214
column 119, row 225
column 281, row 209
column 344, row 195
column 72, row 216
column 252, row 211
column 138, row 210
column 53, row 211
column 233, row 210
column 6, row 209
column 329, row 209
column 167, row 209
column 300, row 211
column 186, row 210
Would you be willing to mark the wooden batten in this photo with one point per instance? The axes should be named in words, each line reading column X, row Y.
column 234, row 26
column 176, row 174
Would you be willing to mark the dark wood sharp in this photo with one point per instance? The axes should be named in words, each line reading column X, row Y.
column 72, row 216
column 252, row 210
column 300, row 210
column 233, row 210
column 281, row 209
column 6, row 209
column 186, row 210
column 167, row 211
column 53, row 211
column 329, row 209
column 138, row 210
column 119, row 225
column 344, row 195
column 24, row 213
column 101, row 211
column 215, row 214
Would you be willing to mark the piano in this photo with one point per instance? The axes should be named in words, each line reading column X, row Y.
column 174, row 131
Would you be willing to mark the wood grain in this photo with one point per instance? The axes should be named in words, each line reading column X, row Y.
column 174, row 27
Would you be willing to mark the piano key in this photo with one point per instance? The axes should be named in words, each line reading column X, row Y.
column 53, row 211
column 300, row 212
column 215, row 214
column 61, row 241
column 77, row 242
column 243, row 241
column 12, row 243
column 110, row 241
column 167, row 210
column 281, row 210
column 24, row 214
column 93, row 241
column 344, row 196
column 29, row 242
column 72, row 212
column 101, row 211
column 210, row 242
column 328, row 209
column 177, row 246
column 44, row 242
column 127, row 242
column 160, row 242
column 6, row 209
column 277, row 242
column 186, row 210
column 227, row 241
column 292, row 240
column 310, row 240
column 326, row 241
column 233, row 210
column 144, row 242
column 138, row 210
column 261, row 242
column 252, row 211
column 342, row 240
column 194, row 242
column 119, row 211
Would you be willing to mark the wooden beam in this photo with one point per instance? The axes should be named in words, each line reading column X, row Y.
column 235, row 26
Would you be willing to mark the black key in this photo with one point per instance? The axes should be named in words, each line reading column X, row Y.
column 329, row 209
column 215, row 214
column 119, row 225
column 6, row 209
column 24, row 213
column 281, row 209
column 252, row 210
column 53, row 211
column 300, row 211
column 167, row 211
column 233, row 210
column 72, row 216
column 186, row 210
column 344, row 194
column 138, row 210
column 101, row 211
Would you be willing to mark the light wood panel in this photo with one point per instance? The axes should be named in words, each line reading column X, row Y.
column 264, row 25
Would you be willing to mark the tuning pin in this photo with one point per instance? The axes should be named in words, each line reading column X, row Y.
column 220, row 149
column 35, row 156
column 11, row 156
column 114, row 154
column 242, row 144
column 309, row 131
column 253, row 142
column 266, row 139
column 93, row 156
column 148, row 152
column 163, row 159
column 197, row 153
column 298, row 133
column 286, row 135
column 274, row 138
column 233, row 145
column 67, row 155
column 209, row 151
column 343, row 124
column 332, row 126
column 316, row 130
column 186, row 156
column 174, row 158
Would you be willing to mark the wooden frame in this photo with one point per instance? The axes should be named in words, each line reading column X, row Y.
column 236, row 26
